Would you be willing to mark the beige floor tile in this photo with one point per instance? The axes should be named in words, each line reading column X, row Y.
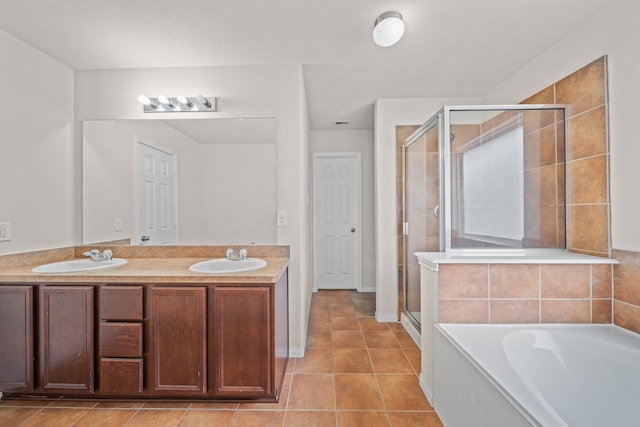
column 358, row 391
column 390, row 361
column 106, row 418
column 55, row 417
column 380, row 339
column 347, row 339
column 371, row 324
column 405, row 340
column 312, row 391
column 351, row 360
column 72, row 404
column 402, row 392
column 258, row 418
column 315, row 361
column 362, row 418
column 412, row 419
column 319, row 339
column 344, row 323
column 206, row 418
column 156, row 418
column 12, row 416
column 310, row 419
column 415, row 358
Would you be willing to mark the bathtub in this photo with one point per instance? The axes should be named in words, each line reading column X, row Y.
column 540, row 375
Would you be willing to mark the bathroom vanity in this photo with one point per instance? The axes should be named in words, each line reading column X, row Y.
column 150, row 329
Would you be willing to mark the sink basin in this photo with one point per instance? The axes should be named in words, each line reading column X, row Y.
column 223, row 265
column 78, row 265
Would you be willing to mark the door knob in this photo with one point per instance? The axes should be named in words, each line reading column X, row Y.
column 144, row 238
column 353, row 230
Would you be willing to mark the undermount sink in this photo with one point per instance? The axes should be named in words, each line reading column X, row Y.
column 223, row 265
column 75, row 265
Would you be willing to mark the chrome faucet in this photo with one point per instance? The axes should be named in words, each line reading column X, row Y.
column 232, row 255
column 95, row 255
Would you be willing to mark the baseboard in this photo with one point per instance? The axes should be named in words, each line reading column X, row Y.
column 428, row 393
column 368, row 289
column 386, row 318
column 296, row 352
column 411, row 329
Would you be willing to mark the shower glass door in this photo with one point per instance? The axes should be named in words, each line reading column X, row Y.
column 421, row 200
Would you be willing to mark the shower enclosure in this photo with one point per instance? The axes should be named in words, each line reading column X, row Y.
column 482, row 177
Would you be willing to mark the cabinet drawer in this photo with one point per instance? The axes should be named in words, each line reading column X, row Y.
column 120, row 339
column 121, row 303
column 121, row 376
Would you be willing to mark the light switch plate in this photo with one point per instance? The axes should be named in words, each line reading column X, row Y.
column 282, row 218
column 5, row 231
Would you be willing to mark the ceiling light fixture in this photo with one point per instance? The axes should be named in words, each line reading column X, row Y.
column 179, row 104
column 388, row 29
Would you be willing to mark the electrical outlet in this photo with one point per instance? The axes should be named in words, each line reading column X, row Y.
column 5, row 231
column 282, row 218
column 118, row 224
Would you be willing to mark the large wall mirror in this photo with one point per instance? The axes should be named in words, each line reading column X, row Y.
column 182, row 181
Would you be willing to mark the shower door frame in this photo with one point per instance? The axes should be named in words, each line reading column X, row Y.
column 435, row 120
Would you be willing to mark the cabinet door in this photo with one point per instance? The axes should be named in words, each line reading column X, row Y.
column 241, row 350
column 16, row 338
column 66, row 339
column 178, row 339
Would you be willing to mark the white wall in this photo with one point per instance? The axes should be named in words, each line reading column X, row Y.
column 614, row 32
column 248, row 91
column 36, row 116
column 390, row 113
column 359, row 141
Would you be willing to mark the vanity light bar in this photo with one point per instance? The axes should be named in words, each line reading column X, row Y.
column 179, row 104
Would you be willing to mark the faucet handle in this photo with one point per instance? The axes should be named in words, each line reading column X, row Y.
column 107, row 254
column 243, row 254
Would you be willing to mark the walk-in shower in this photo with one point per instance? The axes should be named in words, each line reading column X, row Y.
column 482, row 177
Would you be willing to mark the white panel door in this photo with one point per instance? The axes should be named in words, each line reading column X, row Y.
column 337, row 244
column 155, row 196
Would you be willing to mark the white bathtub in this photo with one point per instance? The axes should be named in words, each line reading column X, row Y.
column 541, row 375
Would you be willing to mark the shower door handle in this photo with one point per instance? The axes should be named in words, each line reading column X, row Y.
column 436, row 211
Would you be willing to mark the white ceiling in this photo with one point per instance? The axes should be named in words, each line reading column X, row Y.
column 451, row 48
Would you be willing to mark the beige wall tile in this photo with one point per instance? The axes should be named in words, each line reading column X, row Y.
column 588, row 134
column 588, row 228
column 583, row 89
column 587, row 180
column 463, row 281
column 514, row 280
column 626, row 316
column 565, row 311
column 601, row 311
column 515, row 311
column 545, row 96
column 463, row 311
column 627, row 277
column 601, row 281
column 566, row 281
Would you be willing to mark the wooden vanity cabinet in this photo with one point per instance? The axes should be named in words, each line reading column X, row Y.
column 65, row 341
column 248, row 340
column 177, row 362
column 120, row 347
column 16, row 338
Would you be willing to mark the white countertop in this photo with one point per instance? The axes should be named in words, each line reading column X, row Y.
column 432, row 259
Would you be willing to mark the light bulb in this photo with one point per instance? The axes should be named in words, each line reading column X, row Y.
column 184, row 101
column 166, row 101
column 146, row 101
column 204, row 101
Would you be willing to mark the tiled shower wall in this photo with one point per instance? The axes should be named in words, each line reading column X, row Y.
column 479, row 295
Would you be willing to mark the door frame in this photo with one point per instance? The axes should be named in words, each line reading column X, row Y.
column 314, row 196
column 136, row 208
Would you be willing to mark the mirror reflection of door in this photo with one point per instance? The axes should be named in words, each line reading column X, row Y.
column 155, row 195
column 337, row 240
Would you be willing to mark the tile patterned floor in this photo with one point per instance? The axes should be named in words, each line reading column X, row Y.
column 356, row 372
